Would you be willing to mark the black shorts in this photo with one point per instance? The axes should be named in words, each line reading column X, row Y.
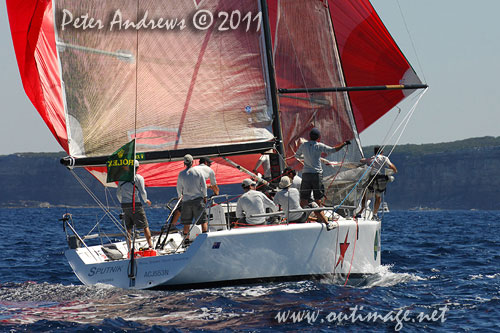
column 312, row 182
column 191, row 210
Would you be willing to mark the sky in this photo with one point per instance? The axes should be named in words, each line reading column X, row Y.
column 454, row 45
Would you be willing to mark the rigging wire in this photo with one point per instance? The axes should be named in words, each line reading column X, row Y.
column 411, row 41
column 405, row 121
column 385, row 139
column 338, row 171
column 99, row 203
column 136, row 80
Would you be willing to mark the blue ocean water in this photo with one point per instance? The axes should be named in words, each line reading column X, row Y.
column 440, row 273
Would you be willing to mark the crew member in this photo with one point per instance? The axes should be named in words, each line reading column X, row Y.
column 134, row 216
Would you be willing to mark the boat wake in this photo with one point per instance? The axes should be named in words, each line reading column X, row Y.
column 80, row 307
column 382, row 278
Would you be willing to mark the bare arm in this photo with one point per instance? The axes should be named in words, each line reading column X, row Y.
column 215, row 188
column 342, row 145
column 393, row 167
column 259, row 163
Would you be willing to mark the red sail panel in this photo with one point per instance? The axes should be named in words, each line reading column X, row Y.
column 305, row 56
column 370, row 57
column 32, row 29
column 165, row 174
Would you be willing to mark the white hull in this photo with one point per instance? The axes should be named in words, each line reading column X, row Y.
column 242, row 254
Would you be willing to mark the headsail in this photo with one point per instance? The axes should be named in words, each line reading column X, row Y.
column 306, row 56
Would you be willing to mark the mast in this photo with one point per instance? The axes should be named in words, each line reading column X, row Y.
column 272, row 79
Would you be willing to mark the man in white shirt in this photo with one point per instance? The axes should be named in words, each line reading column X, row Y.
column 289, row 199
column 191, row 185
column 312, row 173
column 208, row 173
column 134, row 215
column 252, row 202
column 266, row 166
column 292, row 174
column 378, row 179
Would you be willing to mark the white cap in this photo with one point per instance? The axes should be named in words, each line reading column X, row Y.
column 188, row 159
column 247, row 182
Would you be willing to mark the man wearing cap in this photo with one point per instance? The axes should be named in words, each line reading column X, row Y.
column 191, row 185
column 252, row 202
column 289, row 199
column 292, row 174
column 134, row 215
column 208, row 173
column 312, row 173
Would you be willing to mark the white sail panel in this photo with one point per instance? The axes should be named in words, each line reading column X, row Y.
column 170, row 88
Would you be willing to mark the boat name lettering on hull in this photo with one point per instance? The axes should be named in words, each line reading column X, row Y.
column 106, row 270
column 160, row 272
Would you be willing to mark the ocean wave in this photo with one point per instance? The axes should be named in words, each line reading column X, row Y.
column 481, row 276
column 384, row 277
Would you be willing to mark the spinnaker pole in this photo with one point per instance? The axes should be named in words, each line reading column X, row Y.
column 360, row 88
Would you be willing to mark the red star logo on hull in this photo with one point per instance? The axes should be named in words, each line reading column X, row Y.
column 343, row 249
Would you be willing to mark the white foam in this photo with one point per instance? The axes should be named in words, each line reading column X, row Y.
column 382, row 278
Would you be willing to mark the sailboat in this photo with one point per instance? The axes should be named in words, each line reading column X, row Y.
column 224, row 79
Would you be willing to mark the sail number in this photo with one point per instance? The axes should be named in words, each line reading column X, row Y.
column 204, row 19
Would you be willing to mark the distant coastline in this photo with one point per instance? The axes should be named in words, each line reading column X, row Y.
column 454, row 175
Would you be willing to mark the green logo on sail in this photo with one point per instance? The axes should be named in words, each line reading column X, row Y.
column 120, row 165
